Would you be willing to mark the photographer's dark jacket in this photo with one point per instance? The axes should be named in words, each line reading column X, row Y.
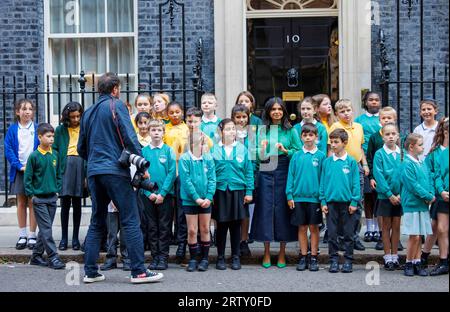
column 99, row 141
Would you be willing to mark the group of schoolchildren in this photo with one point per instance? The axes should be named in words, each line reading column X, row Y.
column 222, row 171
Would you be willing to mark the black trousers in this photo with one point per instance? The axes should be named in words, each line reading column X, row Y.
column 338, row 213
column 113, row 225
column 159, row 228
column 180, row 221
column 235, row 237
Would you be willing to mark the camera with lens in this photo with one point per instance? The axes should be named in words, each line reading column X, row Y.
column 141, row 164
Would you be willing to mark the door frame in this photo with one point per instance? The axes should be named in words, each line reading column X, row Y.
column 230, row 47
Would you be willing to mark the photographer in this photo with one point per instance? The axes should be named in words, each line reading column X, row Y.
column 105, row 132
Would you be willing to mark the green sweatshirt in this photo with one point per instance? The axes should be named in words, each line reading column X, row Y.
column 431, row 161
column 198, row 178
column 416, row 186
column 322, row 139
column 234, row 172
column 42, row 173
column 276, row 134
column 386, row 170
column 339, row 181
column 371, row 125
column 303, row 180
column 162, row 168
column 255, row 120
column 441, row 177
column 210, row 128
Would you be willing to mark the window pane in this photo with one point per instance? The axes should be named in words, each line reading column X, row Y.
column 121, row 55
column 93, row 55
column 120, row 16
column 92, row 16
column 64, row 56
column 62, row 16
column 59, row 101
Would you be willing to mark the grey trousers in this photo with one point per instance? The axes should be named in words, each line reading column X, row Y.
column 113, row 225
column 44, row 212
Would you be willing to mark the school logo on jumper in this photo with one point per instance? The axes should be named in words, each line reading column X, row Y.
column 315, row 162
column 239, row 159
column 205, row 168
column 346, row 169
column 54, row 162
column 162, row 159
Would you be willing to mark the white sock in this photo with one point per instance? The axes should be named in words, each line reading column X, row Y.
column 23, row 232
column 369, row 224
column 32, row 235
column 387, row 258
column 415, row 261
column 394, row 258
column 375, row 225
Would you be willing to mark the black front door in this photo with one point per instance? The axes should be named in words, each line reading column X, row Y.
column 291, row 58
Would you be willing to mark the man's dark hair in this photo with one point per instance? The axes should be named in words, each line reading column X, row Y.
column 43, row 128
column 194, row 111
column 309, row 128
column 339, row 134
column 107, row 82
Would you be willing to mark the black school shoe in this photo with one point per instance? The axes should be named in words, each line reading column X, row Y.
column 379, row 245
column 192, row 265
column 235, row 263
column 163, row 263
column 420, row 270
column 359, row 246
column 409, row 269
column 389, row 266
column 203, row 265
column 347, row 267
column 220, row 265
column 439, row 269
column 334, row 267
column 154, row 263
column 38, row 260
column 31, row 242
column 314, row 264
column 302, row 263
column 368, row 236
column 245, row 250
column 56, row 264
column 110, row 263
column 20, row 246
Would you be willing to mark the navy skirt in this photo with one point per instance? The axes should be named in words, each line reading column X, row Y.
column 73, row 177
column 229, row 206
column 271, row 218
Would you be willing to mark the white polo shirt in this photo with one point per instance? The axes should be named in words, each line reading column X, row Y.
column 428, row 136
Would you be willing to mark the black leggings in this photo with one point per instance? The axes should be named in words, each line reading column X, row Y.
column 235, row 237
column 65, row 209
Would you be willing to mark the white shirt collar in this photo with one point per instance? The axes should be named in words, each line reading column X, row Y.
column 303, row 122
column 343, row 157
column 413, row 159
column 442, row 147
column 389, row 151
column 372, row 115
column 27, row 126
column 195, row 158
column 233, row 145
column 159, row 146
column 204, row 119
column 429, row 129
column 311, row 152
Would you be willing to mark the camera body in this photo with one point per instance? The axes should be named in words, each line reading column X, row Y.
column 138, row 181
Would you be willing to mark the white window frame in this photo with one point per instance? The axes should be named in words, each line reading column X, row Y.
column 48, row 36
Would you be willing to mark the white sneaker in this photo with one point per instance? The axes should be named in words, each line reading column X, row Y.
column 97, row 278
column 146, row 277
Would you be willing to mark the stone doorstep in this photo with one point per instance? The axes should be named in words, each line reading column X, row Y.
column 11, row 255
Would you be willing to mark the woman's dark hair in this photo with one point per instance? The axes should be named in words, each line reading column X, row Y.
column 70, row 108
column 141, row 115
column 366, row 97
column 285, row 124
column 107, row 82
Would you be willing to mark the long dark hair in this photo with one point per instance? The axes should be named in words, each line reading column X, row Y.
column 439, row 136
column 70, row 108
column 285, row 124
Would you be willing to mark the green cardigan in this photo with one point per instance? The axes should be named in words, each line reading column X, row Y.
column 61, row 145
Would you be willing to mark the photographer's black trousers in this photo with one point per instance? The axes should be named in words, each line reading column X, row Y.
column 159, row 218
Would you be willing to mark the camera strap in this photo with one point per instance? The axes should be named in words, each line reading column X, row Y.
column 112, row 107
